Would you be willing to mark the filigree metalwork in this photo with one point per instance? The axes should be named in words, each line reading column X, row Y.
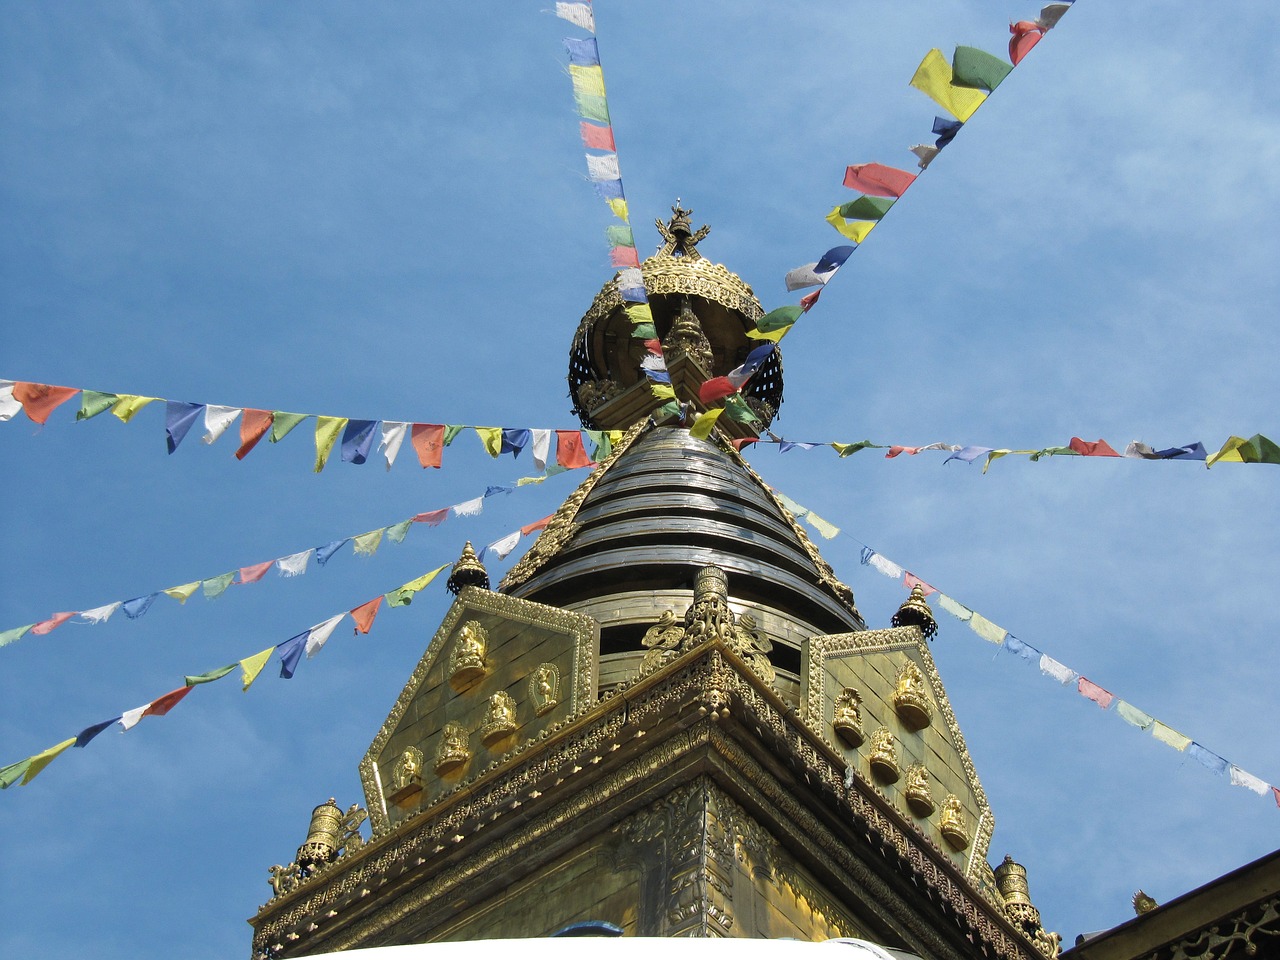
column 847, row 720
column 662, row 642
column 331, row 835
column 1246, row 930
column 466, row 658
column 883, row 758
column 911, row 697
column 544, row 688
column 596, row 393
column 710, row 618
column 686, row 337
column 499, row 719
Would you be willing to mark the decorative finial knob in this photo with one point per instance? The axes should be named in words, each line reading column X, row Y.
column 915, row 612
column 468, row 571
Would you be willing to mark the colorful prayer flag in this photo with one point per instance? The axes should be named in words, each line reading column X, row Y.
column 1025, row 35
column 178, row 419
column 1093, row 692
column 933, row 78
column 569, row 451
column 1094, row 448
column 216, row 421
column 584, row 53
column 283, row 423
column 364, row 614
column 250, row 667
column 41, row 399
column 977, row 69
column 253, row 427
column 428, row 442
column 127, row 406
column 327, row 430
column 597, row 138
column 357, row 440
column 855, row 230
column 877, row 180
column 579, row 14
column 255, row 571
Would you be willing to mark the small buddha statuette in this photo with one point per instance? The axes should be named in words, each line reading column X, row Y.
column 847, row 720
column 919, row 796
column 954, row 828
column 884, row 756
column 499, row 719
column 911, row 697
column 544, row 688
column 453, row 750
column 466, row 660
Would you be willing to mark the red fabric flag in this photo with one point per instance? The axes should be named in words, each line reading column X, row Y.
column 253, row 573
column 1093, row 692
column 254, row 425
column 654, row 346
column 1276, row 791
column 158, row 708
column 536, row 525
column 739, row 444
column 39, row 399
column 569, row 452
column 428, row 441
column 717, row 388
column 363, row 615
column 432, row 518
column 624, row 257
column 894, row 451
column 1095, row 448
column 57, row 620
column 1026, row 34
column 910, row 580
column 809, row 299
column 877, row 180
column 597, row 138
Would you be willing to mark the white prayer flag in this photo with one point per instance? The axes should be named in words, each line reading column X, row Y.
column 393, row 433
column 318, row 634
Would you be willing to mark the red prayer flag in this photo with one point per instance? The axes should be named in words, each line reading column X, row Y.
column 624, row 257
column 717, row 388
column 569, row 452
column 1095, row 448
column 894, row 451
column 1093, row 692
column 910, row 580
column 432, row 518
column 57, row 620
column 363, row 615
column 254, row 425
column 253, row 573
column 809, row 299
column 158, row 708
column 536, row 525
column 654, row 346
column 40, row 399
column 597, row 138
column 1276, row 791
column 1026, row 34
column 739, row 444
column 878, row 180
column 428, row 441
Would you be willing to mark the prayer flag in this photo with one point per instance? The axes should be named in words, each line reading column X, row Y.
column 959, row 610
column 885, row 566
column 451, row 430
column 579, row 14
column 210, row 676
column 216, row 421
column 182, row 593
column 607, row 190
column 178, row 418
column 866, row 208
column 968, row 454
column 494, row 490
column 255, row 571
column 328, row 550
column 739, row 375
column 541, row 448
column 428, row 442
column 41, row 399
column 42, row 760
column 1092, row 691
column 977, row 69
column 583, row 52
column 986, row 629
column 717, row 388
column 397, row 531
column 327, row 430
column 1242, row 778
column 641, row 313
column 1192, row 451
column 432, row 518
column 1025, row 35
column 1169, row 736
column 703, row 426
column 128, row 405
column 135, row 608
column 855, row 230
column 933, row 78
column 319, row 634
column 1207, row 758
column 631, row 285
column 779, row 319
column 785, row 446
column 826, row 530
column 503, row 546
column 603, row 168
column 491, row 437
column 291, row 653
column 617, row 204
column 92, row 403
column 1094, row 448
column 597, row 138
column 214, row 587
column 357, row 439
column 1058, row 671
column 9, row 406
column 569, row 451
column 44, row 626
column 910, row 581
column 848, row 449
column 250, row 667
column 85, row 736
column 878, row 180
column 809, row 299
column 1133, row 716
column 620, row 236
column 1020, row 649
column 403, row 596
column 925, row 154
column 161, row 706
column 603, row 444
column 624, row 257
column 469, row 508
column 1140, row 451
column 833, row 260
column 253, row 427
column 1051, row 13
column 282, row 423
column 366, row 545
column 802, row 277
column 946, row 130
column 587, row 81
column 364, row 614
column 99, row 614
column 536, row 525
column 392, row 436
column 592, row 107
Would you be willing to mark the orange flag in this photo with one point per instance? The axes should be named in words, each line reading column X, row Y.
column 428, row 441
column 253, row 426
column 40, row 399
column 363, row 615
column 569, row 452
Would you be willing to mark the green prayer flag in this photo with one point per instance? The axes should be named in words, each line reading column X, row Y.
column 592, row 107
column 210, row 676
column 451, row 430
column 848, row 449
column 1054, row 452
column 93, row 403
column 1258, row 449
column 866, row 208
column 619, row 236
column 777, row 319
column 736, row 409
column 13, row 773
column 644, row 331
column 282, row 423
column 396, row 532
column 214, row 586
column 977, row 69
column 17, row 633
column 601, row 440
column 403, row 596
column 671, row 409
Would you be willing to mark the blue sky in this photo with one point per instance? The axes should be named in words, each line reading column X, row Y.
column 379, row 211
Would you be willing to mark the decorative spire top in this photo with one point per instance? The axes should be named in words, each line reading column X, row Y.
column 681, row 240
column 686, row 336
column 915, row 612
column 468, row 571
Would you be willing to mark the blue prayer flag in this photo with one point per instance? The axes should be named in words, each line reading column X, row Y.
column 1192, row 451
column 513, row 441
column 608, row 189
column 136, row 607
column 178, row 420
column 88, row 733
column 946, row 130
column 291, row 652
column 833, row 259
column 328, row 550
column 584, row 53
column 357, row 438
column 495, row 490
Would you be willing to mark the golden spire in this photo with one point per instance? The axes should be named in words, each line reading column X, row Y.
column 468, row 571
column 915, row 612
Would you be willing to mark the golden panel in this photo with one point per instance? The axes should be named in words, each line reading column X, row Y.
column 498, row 675
column 883, row 665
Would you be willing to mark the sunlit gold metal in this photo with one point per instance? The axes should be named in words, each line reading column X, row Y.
column 453, row 750
column 884, row 756
column 1143, row 903
column 406, row 779
column 544, row 688
column 467, row 571
column 911, row 697
column 919, row 795
column 466, row 659
column 915, row 612
column 954, row 827
column 848, row 718
column 499, row 719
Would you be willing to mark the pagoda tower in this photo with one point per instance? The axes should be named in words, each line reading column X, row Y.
column 670, row 715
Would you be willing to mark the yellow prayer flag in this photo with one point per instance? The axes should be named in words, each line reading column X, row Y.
column 703, row 426
column 413, row 586
column 250, row 667
column 615, row 437
column 639, row 313
column 619, row 208
column 774, row 335
column 933, row 78
column 855, row 230
column 1230, row 452
column 587, row 81
column 327, row 430
column 663, row 391
column 491, row 437
column 367, row 543
column 1169, row 736
column 525, row 481
column 128, row 405
column 986, row 629
column 183, row 593
column 827, row 530
column 42, row 760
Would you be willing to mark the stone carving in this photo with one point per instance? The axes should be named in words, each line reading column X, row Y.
column 499, row 719
column 884, row 756
column 911, row 698
column 544, row 688
column 919, row 796
column 453, row 750
column 848, row 718
column 466, row 660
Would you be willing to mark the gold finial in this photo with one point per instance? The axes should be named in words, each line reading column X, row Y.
column 680, row 239
column 910, row 697
column 915, row 612
column 919, row 796
column 686, row 337
column 468, row 571
column 1143, row 903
